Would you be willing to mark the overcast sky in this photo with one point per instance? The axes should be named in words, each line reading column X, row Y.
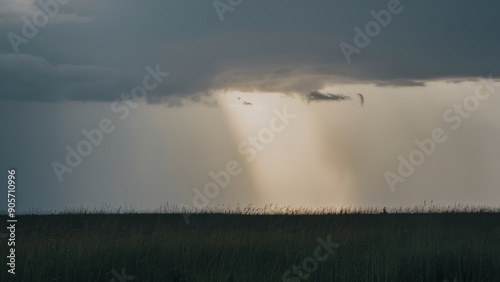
column 362, row 80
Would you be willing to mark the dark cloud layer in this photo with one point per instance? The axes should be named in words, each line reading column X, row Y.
column 26, row 77
column 279, row 46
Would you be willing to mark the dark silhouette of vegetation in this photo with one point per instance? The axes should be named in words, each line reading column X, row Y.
column 259, row 244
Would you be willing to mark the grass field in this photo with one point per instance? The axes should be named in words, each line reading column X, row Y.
column 257, row 247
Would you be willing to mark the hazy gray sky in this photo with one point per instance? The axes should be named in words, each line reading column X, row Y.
column 227, row 78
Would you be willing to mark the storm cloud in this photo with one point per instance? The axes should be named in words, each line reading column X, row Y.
column 64, row 78
column 103, row 47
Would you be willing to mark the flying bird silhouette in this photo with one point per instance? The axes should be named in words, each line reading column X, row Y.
column 362, row 98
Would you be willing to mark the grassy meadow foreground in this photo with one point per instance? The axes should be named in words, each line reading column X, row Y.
column 400, row 246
